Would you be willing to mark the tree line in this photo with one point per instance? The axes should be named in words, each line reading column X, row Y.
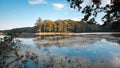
column 73, row 26
column 66, row 26
column 19, row 30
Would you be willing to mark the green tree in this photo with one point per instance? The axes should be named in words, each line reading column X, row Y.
column 38, row 25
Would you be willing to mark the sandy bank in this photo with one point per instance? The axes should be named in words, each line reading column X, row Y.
column 0, row 33
column 77, row 33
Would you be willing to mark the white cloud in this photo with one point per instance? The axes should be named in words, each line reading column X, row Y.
column 58, row 6
column 34, row 2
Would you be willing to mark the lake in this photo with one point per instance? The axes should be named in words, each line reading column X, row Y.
column 63, row 51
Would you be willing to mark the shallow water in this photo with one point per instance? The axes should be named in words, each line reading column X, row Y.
column 84, row 51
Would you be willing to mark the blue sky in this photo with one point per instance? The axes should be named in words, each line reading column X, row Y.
column 24, row 13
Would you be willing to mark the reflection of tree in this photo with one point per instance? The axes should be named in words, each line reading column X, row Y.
column 115, row 38
column 47, row 40
column 112, row 38
column 65, row 40
column 116, row 35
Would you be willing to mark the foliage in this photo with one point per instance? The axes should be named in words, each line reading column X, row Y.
column 38, row 25
column 112, row 10
column 69, row 26
column 48, row 25
column 7, row 44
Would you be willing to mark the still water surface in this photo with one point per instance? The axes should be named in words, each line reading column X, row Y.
column 84, row 51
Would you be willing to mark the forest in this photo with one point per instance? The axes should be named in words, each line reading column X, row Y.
column 66, row 26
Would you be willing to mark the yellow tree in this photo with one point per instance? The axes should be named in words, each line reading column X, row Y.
column 49, row 25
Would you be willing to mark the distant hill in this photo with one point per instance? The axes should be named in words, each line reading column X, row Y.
column 20, row 30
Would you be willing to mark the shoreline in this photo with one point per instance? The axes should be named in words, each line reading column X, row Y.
column 65, row 34
column 69, row 34
column 33, row 35
column 85, row 33
column 1, row 33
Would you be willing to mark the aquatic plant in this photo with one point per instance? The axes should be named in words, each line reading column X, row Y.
column 7, row 44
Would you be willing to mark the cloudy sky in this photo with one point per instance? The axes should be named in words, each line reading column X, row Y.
column 24, row 13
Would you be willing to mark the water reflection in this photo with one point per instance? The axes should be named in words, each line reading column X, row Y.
column 64, row 40
column 84, row 51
